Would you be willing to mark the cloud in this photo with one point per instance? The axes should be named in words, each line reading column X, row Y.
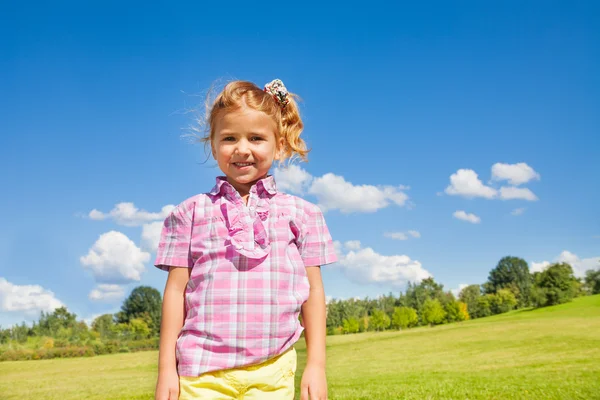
column 105, row 292
column 334, row 193
column 518, row 211
column 580, row 266
column 114, row 258
column 539, row 267
column 352, row 245
column 457, row 291
column 515, row 174
column 466, row 183
column 151, row 236
column 511, row 193
column 472, row 218
column 364, row 265
column 292, row 179
column 128, row 214
column 402, row 235
column 28, row 299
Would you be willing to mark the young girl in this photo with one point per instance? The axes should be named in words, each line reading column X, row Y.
column 244, row 261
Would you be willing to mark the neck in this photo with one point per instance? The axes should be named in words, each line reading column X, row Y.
column 243, row 188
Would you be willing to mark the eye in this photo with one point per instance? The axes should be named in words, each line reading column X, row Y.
column 228, row 139
column 256, row 138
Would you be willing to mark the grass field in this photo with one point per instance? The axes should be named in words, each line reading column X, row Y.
column 551, row 353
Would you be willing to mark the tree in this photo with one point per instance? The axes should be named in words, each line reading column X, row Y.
column 139, row 329
column 379, row 320
column 592, row 281
column 404, row 317
column 433, row 312
column 503, row 301
column 104, row 325
column 463, row 313
column 470, row 296
column 484, row 305
column 144, row 302
column 555, row 285
column 350, row 325
column 511, row 273
column 55, row 323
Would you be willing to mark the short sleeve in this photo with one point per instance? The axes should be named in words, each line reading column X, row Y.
column 315, row 244
column 175, row 239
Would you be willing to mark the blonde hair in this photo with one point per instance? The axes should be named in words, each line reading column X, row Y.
column 238, row 94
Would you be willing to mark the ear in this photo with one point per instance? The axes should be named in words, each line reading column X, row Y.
column 279, row 149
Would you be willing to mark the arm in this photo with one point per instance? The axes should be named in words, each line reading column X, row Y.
column 314, row 382
column 173, row 315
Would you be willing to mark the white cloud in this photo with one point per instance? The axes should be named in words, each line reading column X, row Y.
column 512, row 192
column 402, row 235
column 539, row 267
column 364, row 265
column 472, row 218
column 333, row 192
column 105, row 292
column 128, row 214
column 457, row 291
column 114, row 258
column 151, row 236
column 352, row 245
column 292, row 179
column 28, row 299
column 580, row 266
column 515, row 174
column 466, row 183
column 518, row 211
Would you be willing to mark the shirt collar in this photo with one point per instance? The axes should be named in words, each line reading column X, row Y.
column 267, row 184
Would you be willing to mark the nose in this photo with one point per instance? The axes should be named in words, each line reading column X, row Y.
column 243, row 147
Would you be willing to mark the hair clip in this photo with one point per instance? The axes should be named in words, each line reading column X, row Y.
column 277, row 89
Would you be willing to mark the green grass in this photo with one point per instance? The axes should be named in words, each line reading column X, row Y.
column 551, row 353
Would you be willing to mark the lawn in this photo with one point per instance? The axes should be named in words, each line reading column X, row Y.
column 551, row 353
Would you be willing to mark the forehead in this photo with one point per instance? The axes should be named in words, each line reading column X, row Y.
column 245, row 119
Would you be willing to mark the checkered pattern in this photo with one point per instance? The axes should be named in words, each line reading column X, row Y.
column 248, row 277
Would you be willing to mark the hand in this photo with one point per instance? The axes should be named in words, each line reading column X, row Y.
column 167, row 386
column 314, row 383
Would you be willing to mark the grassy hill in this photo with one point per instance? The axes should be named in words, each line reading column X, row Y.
column 550, row 353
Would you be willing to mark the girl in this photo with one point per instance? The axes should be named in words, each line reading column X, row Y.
column 244, row 261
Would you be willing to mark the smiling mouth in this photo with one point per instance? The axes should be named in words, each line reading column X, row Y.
column 240, row 164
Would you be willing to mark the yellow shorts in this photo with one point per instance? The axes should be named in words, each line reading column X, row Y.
column 271, row 380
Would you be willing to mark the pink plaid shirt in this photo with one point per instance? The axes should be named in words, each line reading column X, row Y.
column 248, row 277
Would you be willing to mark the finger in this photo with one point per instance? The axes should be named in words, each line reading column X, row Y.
column 304, row 393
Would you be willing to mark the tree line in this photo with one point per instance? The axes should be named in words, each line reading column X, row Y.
column 510, row 286
column 136, row 326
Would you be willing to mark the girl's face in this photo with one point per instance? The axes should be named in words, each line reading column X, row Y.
column 244, row 146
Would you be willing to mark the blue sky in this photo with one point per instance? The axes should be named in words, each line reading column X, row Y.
column 418, row 115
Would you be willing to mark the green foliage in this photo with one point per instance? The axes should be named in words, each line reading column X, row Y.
column 433, row 312
column 511, row 273
column 350, row 325
column 379, row 320
column 144, row 302
column 470, row 295
column 503, row 301
column 555, row 285
column 104, row 325
column 592, row 281
column 404, row 317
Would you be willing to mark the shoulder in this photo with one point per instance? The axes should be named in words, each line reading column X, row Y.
column 194, row 205
column 300, row 207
